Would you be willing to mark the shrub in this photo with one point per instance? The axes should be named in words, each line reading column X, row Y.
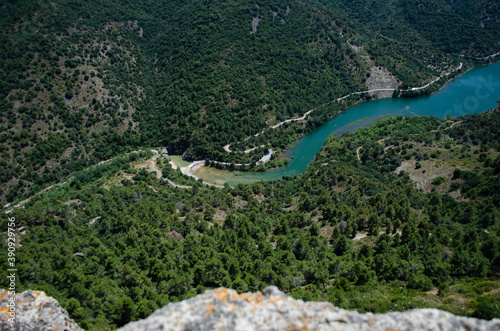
column 438, row 180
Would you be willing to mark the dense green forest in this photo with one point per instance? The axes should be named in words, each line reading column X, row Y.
column 83, row 81
column 398, row 215
column 115, row 243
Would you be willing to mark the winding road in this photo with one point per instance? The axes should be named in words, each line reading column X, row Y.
column 267, row 157
column 303, row 117
column 187, row 170
column 481, row 58
column 159, row 174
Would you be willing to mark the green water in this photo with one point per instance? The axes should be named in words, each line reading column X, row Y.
column 476, row 91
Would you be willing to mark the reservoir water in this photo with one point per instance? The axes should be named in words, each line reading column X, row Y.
column 476, row 91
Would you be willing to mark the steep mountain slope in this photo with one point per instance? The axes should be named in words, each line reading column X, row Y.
column 70, row 81
column 475, row 31
column 82, row 81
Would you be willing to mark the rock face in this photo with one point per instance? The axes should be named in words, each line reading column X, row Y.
column 224, row 309
column 35, row 311
column 381, row 79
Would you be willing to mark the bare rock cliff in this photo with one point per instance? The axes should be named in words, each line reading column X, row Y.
column 381, row 79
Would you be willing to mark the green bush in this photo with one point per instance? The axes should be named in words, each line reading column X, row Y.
column 438, row 180
column 486, row 308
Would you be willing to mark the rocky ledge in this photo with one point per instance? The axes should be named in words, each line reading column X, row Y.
column 34, row 311
column 225, row 309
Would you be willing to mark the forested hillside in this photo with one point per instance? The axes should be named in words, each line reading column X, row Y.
column 71, row 75
column 82, row 81
column 116, row 243
column 475, row 23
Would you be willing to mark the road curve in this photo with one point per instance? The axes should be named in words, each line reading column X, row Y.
column 196, row 164
column 160, row 175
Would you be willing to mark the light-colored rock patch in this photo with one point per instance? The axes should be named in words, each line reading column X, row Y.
column 255, row 23
column 381, row 79
column 35, row 311
column 271, row 309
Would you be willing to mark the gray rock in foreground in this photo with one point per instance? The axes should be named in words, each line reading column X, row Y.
column 35, row 311
column 225, row 309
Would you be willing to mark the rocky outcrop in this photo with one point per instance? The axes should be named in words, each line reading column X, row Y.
column 174, row 235
column 224, row 309
column 34, row 311
column 381, row 79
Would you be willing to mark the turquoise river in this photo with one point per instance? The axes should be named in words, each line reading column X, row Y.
column 475, row 91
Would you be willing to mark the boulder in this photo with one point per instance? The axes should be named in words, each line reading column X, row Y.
column 271, row 309
column 35, row 311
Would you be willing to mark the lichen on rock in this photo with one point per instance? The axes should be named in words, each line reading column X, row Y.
column 225, row 309
column 35, row 311
column 271, row 309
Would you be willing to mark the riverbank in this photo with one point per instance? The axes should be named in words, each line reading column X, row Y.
column 355, row 103
column 304, row 116
column 456, row 98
